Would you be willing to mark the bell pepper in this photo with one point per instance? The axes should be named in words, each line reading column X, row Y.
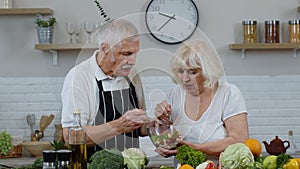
column 291, row 164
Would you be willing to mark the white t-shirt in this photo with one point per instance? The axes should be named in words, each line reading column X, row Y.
column 227, row 102
column 80, row 90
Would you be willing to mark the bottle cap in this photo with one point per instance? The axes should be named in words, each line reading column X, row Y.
column 63, row 155
column 49, row 156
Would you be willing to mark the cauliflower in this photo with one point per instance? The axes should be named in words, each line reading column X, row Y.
column 135, row 158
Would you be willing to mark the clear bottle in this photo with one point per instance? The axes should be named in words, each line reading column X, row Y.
column 292, row 149
column 77, row 143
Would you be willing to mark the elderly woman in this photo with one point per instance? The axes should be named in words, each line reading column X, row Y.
column 209, row 112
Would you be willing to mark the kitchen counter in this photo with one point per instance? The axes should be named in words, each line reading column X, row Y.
column 16, row 162
column 154, row 162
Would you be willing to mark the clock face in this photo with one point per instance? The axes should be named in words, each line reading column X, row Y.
column 171, row 21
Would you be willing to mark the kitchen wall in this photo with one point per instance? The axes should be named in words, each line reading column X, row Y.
column 272, row 103
column 220, row 21
column 269, row 79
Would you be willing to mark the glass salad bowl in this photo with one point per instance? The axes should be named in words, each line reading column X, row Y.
column 163, row 135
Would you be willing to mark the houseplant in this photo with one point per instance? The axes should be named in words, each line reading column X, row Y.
column 45, row 29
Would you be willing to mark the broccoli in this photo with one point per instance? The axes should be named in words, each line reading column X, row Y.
column 107, row 159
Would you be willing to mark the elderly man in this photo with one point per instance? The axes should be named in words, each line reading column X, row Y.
column 111, row 103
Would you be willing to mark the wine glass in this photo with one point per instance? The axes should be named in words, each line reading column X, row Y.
column 88, row 26
column 78, row 29
column 71, row 30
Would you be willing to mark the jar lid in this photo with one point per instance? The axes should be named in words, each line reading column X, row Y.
column 272, row 22
column 294, row 22
column 249, row 22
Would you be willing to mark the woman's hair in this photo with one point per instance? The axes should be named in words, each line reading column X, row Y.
column 195, row 54
column 114, row 31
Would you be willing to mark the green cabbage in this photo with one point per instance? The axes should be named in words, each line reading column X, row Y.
column 236, row 156
column 135, row 158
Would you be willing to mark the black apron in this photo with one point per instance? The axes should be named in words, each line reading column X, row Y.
column 113, row 104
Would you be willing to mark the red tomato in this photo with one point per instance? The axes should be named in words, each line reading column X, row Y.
column 210, row 165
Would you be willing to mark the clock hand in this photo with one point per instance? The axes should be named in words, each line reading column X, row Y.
column 169, row 16
column 172, row 17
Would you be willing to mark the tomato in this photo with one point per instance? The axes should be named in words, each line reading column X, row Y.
column 210, row 165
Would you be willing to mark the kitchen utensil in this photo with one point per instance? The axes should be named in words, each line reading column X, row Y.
column 30, row 118
column 45, row 122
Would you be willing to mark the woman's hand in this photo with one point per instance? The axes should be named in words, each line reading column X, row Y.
column 163, row 111
column 165, row 152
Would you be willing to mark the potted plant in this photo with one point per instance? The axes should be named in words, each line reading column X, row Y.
column 45, row 29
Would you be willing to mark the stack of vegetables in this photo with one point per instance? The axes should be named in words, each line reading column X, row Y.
column 245, row 155
column 132, row 158
column 248, row 156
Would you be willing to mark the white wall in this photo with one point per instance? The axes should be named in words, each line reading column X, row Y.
column 272, row 103
column 220, row 20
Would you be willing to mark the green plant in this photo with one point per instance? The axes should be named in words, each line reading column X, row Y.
column 45, row 22
column 58, row 145
column 5, row 143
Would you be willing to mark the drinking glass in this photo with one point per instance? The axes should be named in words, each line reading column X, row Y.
column 71, row 30
column 78, row 29
column 88, row 26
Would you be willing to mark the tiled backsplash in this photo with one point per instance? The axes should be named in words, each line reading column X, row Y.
column 273, row 103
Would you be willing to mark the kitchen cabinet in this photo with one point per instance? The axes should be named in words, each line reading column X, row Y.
column 54, row 48
column 26, row 11
column 265, row 46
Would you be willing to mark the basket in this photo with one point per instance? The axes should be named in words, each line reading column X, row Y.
column 15, row 152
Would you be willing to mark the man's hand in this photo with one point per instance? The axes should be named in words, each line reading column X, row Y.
column 131, row 120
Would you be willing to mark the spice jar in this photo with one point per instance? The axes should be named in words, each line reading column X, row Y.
column 272, row 31
column 249, row 31
column 294, row 31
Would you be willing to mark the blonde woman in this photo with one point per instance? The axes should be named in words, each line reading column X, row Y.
column 209, row 112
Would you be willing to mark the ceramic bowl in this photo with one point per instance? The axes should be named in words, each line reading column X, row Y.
column 35, row 148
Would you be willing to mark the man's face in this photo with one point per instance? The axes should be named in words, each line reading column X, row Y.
column 125, row 57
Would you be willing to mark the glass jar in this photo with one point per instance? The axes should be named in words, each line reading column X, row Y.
column 250, row 31
column 272, row 31
column 294, row 31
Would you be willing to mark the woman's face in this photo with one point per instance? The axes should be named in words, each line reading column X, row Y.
column 191, row 80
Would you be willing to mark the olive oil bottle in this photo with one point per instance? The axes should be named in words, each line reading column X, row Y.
column 77, row 143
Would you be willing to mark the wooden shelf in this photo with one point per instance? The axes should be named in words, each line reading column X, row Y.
column 67, row 46
column 26, row 11
column 54, row 48
column 265, row 46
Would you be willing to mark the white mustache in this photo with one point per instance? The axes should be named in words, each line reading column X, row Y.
column 127, row 67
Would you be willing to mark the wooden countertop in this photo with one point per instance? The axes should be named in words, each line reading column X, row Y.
column 18, row 162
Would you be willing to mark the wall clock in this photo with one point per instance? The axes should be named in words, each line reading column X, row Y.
column 171, row 21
